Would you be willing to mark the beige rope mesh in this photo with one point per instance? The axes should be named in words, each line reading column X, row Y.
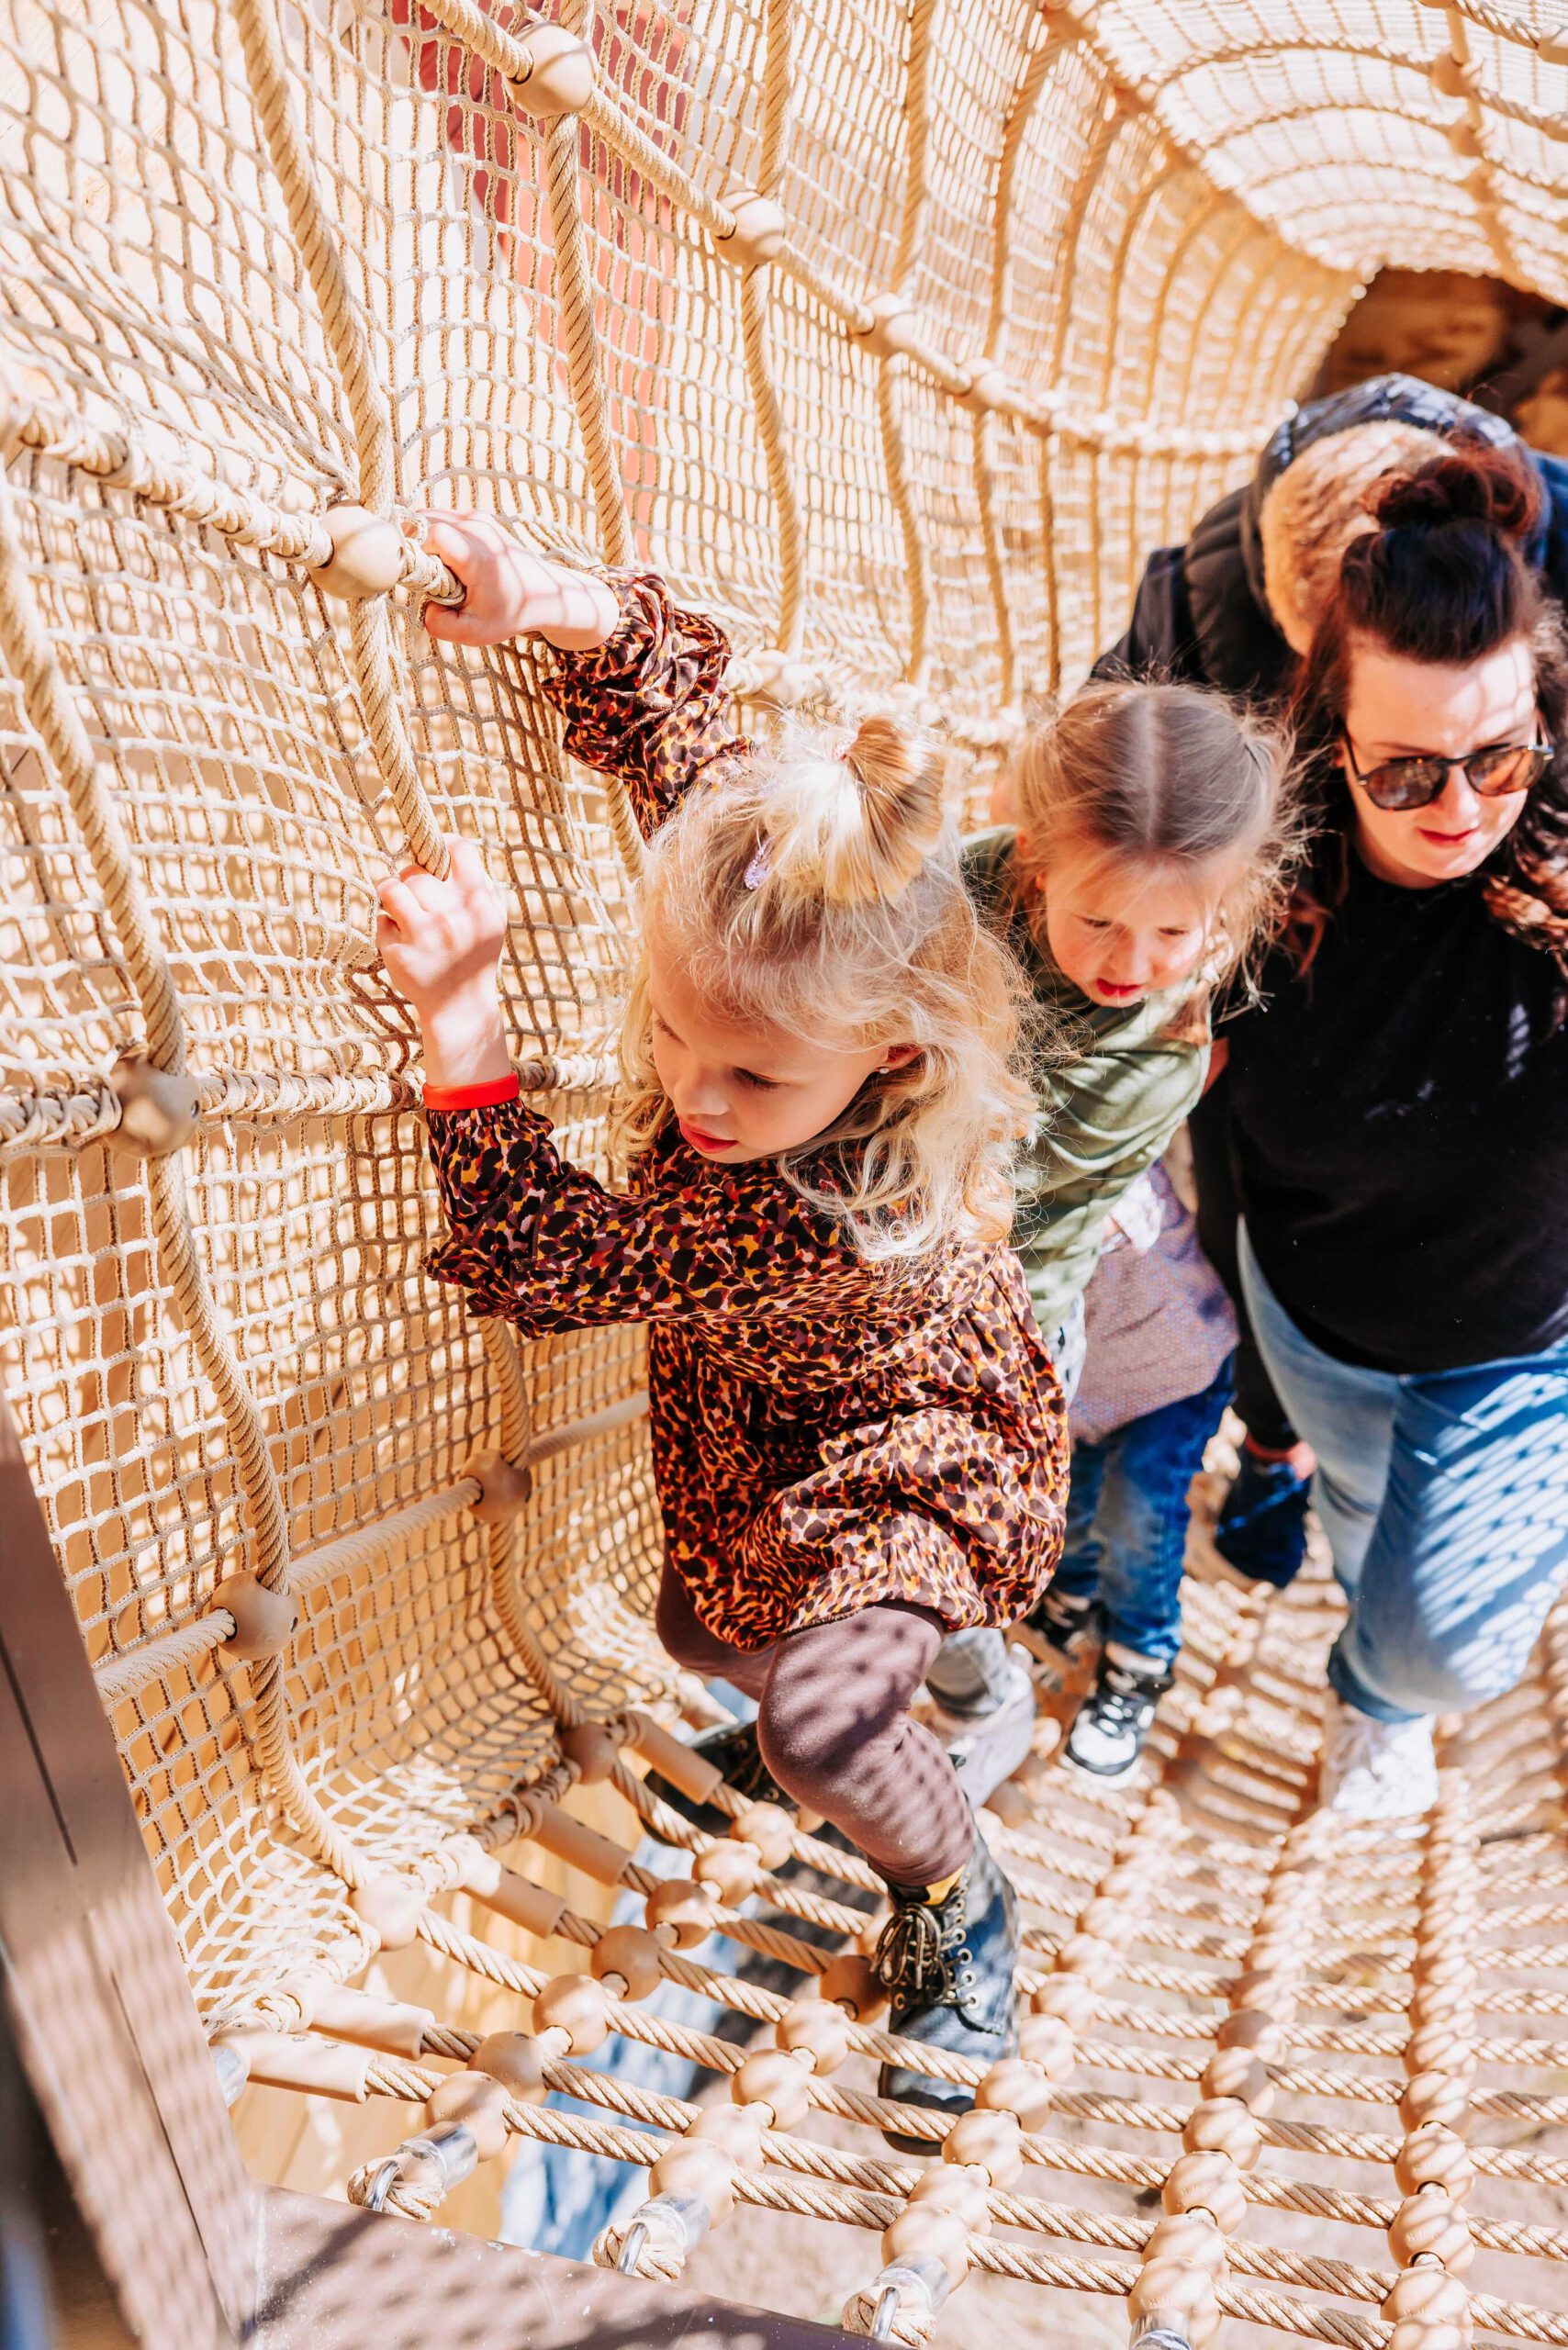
column 1035, row 280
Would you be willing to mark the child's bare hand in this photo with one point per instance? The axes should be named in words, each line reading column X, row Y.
column 510, row 592
column 440, row 941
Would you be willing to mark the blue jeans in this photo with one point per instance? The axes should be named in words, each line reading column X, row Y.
column 1127, row 1520
column 1444, row 1496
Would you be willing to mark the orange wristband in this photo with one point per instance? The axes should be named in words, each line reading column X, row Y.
column 474, row 1097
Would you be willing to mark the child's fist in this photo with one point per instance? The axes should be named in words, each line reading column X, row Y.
column 509, row 592
column 441, row 942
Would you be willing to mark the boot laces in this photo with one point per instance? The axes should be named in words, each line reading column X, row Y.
column 912, row 1960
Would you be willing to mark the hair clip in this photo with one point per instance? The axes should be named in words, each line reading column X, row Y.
column 757, row 871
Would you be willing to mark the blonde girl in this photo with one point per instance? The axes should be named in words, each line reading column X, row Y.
column 1153, row 830
column 856, row 1429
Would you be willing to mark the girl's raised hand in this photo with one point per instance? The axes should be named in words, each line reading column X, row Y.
column 440, row 941
column 510, row 592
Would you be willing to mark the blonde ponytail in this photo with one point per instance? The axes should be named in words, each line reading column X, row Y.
column 815, row 887
column 855, row 826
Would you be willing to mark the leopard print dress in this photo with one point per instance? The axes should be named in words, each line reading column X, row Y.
column 827, row 1433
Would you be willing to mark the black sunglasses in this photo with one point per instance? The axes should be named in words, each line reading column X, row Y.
column 1405, row 784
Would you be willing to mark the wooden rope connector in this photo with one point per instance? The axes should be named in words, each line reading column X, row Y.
column 263, row 1619
column 894, row 331
column 160, row 1109
column 558, row 76
column 504, row 1488
column 989, row 390
column 513, row 2059
column 758, row 233
column 367, row 554
column 391, row 1907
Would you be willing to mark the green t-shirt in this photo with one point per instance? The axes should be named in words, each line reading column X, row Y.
column 1106, row 1113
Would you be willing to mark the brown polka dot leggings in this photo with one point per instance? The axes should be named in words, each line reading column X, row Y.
column 834, row 1726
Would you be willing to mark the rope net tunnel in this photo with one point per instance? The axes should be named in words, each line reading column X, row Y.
column 896, row 335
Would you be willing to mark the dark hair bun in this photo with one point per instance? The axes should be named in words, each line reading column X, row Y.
column 1472, row 482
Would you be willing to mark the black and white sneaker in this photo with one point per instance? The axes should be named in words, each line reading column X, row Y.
column 1109, row 1730
column 1061, row 1629
column 949, row 1968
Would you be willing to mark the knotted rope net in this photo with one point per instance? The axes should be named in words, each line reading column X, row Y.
column 897, row 334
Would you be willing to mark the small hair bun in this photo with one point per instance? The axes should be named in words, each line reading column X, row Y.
column 855, row 824
column 1472, row 482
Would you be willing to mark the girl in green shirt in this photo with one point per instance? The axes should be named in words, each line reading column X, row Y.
column 1153, row 827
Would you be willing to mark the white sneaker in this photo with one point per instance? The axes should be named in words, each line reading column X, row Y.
column 988, row 1748
column 1375, row 1770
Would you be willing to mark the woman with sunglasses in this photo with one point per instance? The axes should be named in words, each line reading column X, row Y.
column 1400, row 1102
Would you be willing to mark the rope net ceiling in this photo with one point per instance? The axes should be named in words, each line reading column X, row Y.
column 896, row 334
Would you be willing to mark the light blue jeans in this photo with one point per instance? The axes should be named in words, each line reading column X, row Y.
column 1444, row 1496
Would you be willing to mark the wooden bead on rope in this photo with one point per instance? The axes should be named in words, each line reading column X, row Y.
column 1049, row 2043
column 391, row 1907
column 737, row 2129
column 1449, row 78
column 1273, row 1953
column 1551, row 48
column 367, row 554
column 758, row 233
column 1110, row 1920
column 1429, row 2227
column 1169, row 2295
column 773, row 2078
column 817, row 2029
column 1015, row 2087
column 1089, row 1955
column 930, row 2235
column 1432, row 2294
column 1207, row 2183
column 1255, row 2029
column 263, row 1619
column 577, row 2006
column 695, row 2168
column 158, row 1108
column 1432, row 2156
column 1222, row 2125
column 1189, row 2238
column 988, row 387
column 503, row 1489
column 1426, row 2334
column 589, row 1747
column 730, row 1872
column 1071, row 1996
column 952, row 2186
column 627, row 1957
column 988, row 2142
column 1434, row 2097
column 769, row 1829
column 681, row 1913
column 850, row 1982
column 479, row 2103
column 894, row 331
column 1236, row 2072
column 1009, row 1804
column 556, row 75
column 513, row 2059
column 1271, row 1993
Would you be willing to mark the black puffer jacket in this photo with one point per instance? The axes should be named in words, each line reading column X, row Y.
column 1200, row 613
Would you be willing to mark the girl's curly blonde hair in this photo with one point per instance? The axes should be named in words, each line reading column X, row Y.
column 818, row 888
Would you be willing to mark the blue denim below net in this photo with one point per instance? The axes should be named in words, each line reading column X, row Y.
column 1127, row 1520
column 1444, row 1496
